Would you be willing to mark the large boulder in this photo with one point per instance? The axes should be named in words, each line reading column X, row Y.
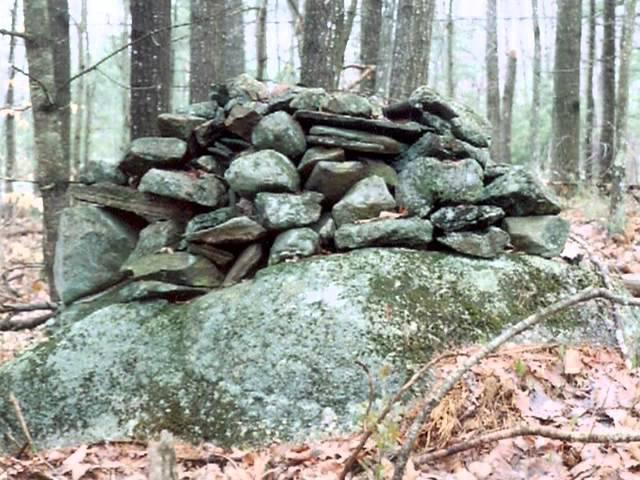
column 280, row 132
column 275, row 357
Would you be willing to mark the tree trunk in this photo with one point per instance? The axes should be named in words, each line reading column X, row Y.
column 80, row 94
column 261, row 42
column 150, row 65
column 608, row 128
column 125, row 67
column 10, row 123
column 507, row 106
column 423, row 29
column 450, row 36
column 59, row 25
column 317, row 54
column 206, row 54
column 370, row 30
column 590, row 105
column 343, row 27
column 383, row 74
column 52, row 171
column 566, row 95
column 233, row 57
column 493, row 79
column 534, row 149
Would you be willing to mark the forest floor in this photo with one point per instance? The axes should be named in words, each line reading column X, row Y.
column 579, row 389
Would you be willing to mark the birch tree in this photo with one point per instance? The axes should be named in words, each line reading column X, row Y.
column 493, row 78
column 370, row 31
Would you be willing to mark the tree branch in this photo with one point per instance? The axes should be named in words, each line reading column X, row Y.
column 13, row 324
column 11, row 33
column 34, row 79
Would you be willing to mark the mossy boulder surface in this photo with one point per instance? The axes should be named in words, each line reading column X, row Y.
column 274, row 357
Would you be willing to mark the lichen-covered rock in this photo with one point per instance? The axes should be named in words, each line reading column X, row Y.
column 398, row 232
column 237, row 230
column 319, row 154
column 206, row 190
column 178, row 125
column 209, row 164
column 243, row 118
column 207, row 110
column 246, row 264
column 354, row 140
column 146, row 153
column 310, row 99
column 463, row 217
column 488, row 243
column 288, row 339
column 155, row 237
column 294, row 243
column 279, row 211
column 209, row 220
column 334, row 179
column 92, row 245
column 263, row 171
column 519, row 194
column 543, row 235
column 279, row 131
column 382, row 170
column 325, row 227
column 102, row 171
column 366, row 199
column 427, row 181
column 180, row 267
column 345, row 103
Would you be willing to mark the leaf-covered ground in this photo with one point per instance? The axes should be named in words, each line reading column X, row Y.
column 579, row 389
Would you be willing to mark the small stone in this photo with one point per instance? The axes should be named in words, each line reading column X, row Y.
column 355, row 140
column 206, row 110
column 489, row 243
column 292, row 244
column 319, row 154
column 366, row 199
column 220, row 258
column 400, row 232
column 279, row 131
column 178, row 126
column 543, row 235
column 102, row 171
column 152, row 289
column 246, row 264
column 155, row 237
column 325, row 228
column 263, row 171
column 208, row 164
column 382, row 170
column 349, row 104
column 180, row 268
column 146, row 153
column 209, row 220
column 280, row 211
column 236, row 230
column 205, row 190
column 242, row 119
column 310, row 99
column 464, row 217
column 334, row 179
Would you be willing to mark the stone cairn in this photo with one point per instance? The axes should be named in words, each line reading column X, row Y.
column 253, row 178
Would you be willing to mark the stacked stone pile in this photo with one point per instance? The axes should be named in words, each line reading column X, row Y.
column 254, row 178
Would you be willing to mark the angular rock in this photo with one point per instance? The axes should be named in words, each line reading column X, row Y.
column 263, row 171
column 245, row 87
column 92, row 245
column 344, row 103
column 177, row 125
column 310, row 99
column 334, row 179
column 398, row 232
column 494, row 170
column 242, row 119
column 206, row 110
column 354, row 140
column 235, row 144
column 427, row 181
column 153, row 290
column 102, row 171
column 205, row 190
column 180, row 268
column 209, row 220
column 209, row 164
column 279, row 131
column 153, row 152
column 155, row 237
column 246, row 264
column 205, row 135
column 519, row 194
column 366, row 199
column 382, row 170
column 319, row 154
column 293, row 244
column 220, row 258
column 325, row 228
column 234, row 231
column 464, row 217
column 543, row 235
column 489, row 243
column 280, row 211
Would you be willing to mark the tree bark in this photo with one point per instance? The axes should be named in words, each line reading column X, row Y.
column 150, row 65
column 590, row 103
column 80, row 94
column 423, row 30
column 233, row 56
column 59, row 26
column 10, row 122
column 343, row 22
column 566, row 94
column 370, row 32
column 450, row 63
column 206, row 54
column 493, row 79
column 317, row 68
column 534, row 149
column 608, row 128
column 261, row 42
column 125, row 68
column 383, row 74
column 507, row 106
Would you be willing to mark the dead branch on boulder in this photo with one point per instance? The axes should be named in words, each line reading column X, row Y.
column 23, row 424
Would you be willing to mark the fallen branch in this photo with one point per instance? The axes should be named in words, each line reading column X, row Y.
column 436, row 397
column 27, row 307
column 14, row 324
column 526, row 430
column 23, row 424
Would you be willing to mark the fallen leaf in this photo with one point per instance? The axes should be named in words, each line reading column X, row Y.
column 572, row 363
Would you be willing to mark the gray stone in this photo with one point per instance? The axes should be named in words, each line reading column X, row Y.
column 178, row 125
column 428, row 181
column 92, row 245
column 180, row 268
column 220, row 258
column 209, row 220
column 205, row 189
column 294, row 244
column 206, row 135
column 246, row 264
column 489, row 243
column 366, row 199
column 310, row 99
column 102, row 171
column 519, row 194
column 334, row 179
column 288, row 339
column 264, row 171
column 325, row 228
column 398, row 232
column 207, row 110
column 494, row 170
column 345, row 103
column 279, row 131
column 243, row 118
column 146, row 153
column 155, row 237
column 152, row 290
column 382, row 170
column 209, row 164
column 280, row 211
column 355, row 140
column 543, row 235
column 245, row 87
column 464, row 217
column 319, row 154
column 234, row 231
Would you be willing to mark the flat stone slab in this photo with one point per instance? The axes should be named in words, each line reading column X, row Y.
column 489, row 243
column 204, row 189
column 464, row 217
column 354, row 140
column 400, row 232
column 180, row 268
column 233, row 231
column 153, row 152
column 246, row 264
column 280, row 211
column 319, row 154
column 178, row 125
column 543, row 235
column 334, row 179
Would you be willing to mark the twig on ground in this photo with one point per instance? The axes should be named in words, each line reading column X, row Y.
column 27, row 307
column 23, row 424
column 14, row 324
column 372, row 391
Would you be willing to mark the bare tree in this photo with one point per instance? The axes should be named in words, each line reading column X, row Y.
column 10, row 123
column 80, row 93
column 234, row 50
column 150, row 64
column 383, row 73
column 493, row 78
column 590, row 103
column 535, row 87
column 450, row 63
column 59, row 20
column 608, row 127
column 205, row 47
column 566, row 94
column 261, row 41
column 507, row 106
column 371, row 26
